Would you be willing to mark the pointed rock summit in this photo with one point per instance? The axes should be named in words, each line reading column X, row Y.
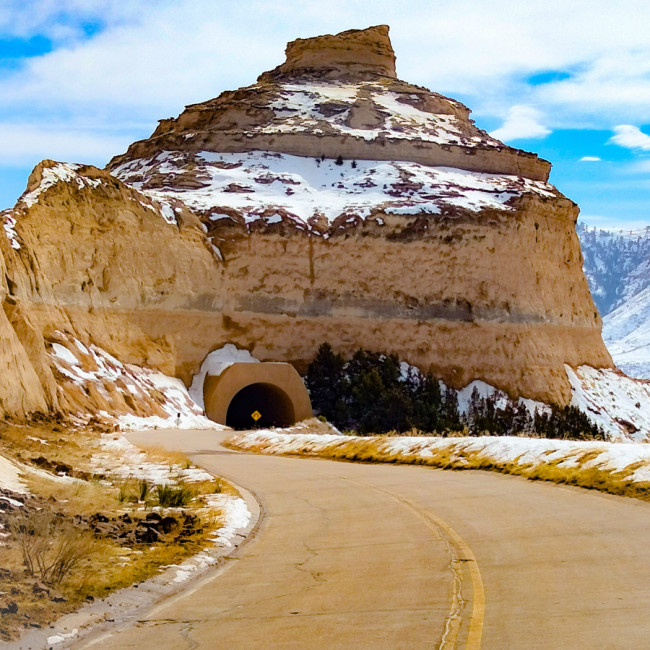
column 338, row 96
column 356, row 54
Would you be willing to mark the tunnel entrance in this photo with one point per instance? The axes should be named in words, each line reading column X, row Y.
column 272, row 389
column 260, row 405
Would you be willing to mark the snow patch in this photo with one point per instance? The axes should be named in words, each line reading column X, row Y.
column 55, row 639
column 630, row 459
column 9, row 223
column 165, row 396
column 235, row 519
column 617, row 403
column 486, row 390
column 299, row 107
column 61, row 172
column 10, row 477
column 119, row 457
column 267, row 186
column 214, row 364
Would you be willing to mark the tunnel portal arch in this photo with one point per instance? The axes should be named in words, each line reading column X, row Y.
column 260, row 405
column 252, row 395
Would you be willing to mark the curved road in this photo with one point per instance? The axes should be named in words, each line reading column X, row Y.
column 395, row 556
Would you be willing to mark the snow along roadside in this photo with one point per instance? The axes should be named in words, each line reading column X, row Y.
column 618, row 468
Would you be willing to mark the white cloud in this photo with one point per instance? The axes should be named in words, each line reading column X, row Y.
column 63, row 19
column 612, row 222
column 609, row 86
column 154, row 56
column 181, row 54
column 161, row 53
column 638, row 167
column 27, row 144
column 589, row 159
column 630, row 137
column 522, row 122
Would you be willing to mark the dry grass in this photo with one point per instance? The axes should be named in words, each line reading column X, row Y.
column 369, row 450
column 87, row 567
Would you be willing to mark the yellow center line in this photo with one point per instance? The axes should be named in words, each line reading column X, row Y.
column 475, row 631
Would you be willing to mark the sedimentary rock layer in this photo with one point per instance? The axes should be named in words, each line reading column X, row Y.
column 328, row 202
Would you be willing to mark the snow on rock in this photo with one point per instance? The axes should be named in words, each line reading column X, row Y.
column 272, row 186
column 131, row 396
column 616, row 263
column 617, row 403
column 631, row 460
column 10, row 477
column 214, row 364
column 486, row 390
column 168, row 213
column 327, row 106
column 9, row 223
column 57, row 173
column 617, row 266
column 78, row 175
column 235, row 518
column 626, row 332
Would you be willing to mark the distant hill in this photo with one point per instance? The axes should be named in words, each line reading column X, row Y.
column 617, row 266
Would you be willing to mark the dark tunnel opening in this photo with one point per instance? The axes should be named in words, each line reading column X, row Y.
column 260, row 405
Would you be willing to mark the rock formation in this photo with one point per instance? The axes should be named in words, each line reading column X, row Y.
column 329, row 201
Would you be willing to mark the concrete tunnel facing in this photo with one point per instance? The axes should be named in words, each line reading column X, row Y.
column 256, row 395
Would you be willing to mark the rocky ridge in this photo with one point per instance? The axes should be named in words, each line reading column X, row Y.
column 327, row 202
column 617, row 266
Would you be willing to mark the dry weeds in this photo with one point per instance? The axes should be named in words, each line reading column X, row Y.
column 51, row 562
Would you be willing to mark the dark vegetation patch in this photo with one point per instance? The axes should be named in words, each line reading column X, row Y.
column 374, row 393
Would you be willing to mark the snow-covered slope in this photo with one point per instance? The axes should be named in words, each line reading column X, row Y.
column 617, row 266
column 626, row 331
column 616, row 263
column 312, row 192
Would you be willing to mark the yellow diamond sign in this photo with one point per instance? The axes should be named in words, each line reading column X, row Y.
column 256, row 415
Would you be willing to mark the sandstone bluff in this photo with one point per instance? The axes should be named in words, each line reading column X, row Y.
column 329, row 201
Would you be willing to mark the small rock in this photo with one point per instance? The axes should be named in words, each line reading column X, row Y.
column 8, row 607
column 167, row 524
column 40, row 588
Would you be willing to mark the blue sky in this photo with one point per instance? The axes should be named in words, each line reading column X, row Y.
column 81, row 79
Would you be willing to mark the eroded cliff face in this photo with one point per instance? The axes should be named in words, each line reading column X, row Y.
column 328, row 202
column 83, row 253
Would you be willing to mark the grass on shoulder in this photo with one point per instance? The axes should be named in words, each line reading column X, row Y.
column 453, row 457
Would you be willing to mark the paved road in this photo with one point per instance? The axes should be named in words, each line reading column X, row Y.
column 388, row 556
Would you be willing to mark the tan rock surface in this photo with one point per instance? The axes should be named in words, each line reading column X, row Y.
column 355, row 53
column 346, row 82
column 198, row 239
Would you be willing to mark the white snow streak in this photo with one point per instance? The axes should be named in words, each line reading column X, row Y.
column 272, row 186
column 633, row 460
column 619, row 404
column 91, row 365
column 10, row 477
column 214, row 364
